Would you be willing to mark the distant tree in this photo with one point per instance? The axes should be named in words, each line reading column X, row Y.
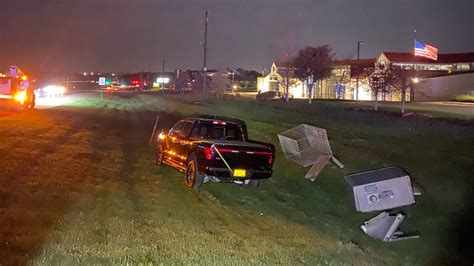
column 197, row 82
column 246, row 75
column 401, row 81
column 312, row 64
column 381, row 80
column 219, row 82
column 184, row 81
column 287, row 81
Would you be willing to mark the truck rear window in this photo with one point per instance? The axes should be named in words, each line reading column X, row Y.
column 229, row 131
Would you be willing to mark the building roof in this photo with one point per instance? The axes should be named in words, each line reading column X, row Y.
column 281, row 63
column 354, row 62
column 438, row 73
column 442, row 58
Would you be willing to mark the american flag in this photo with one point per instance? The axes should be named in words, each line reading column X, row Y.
column 426, row 50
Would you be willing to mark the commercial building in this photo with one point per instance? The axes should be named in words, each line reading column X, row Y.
column 340, row 85
column 281, row 74
column 434, row 80
column 443, row 79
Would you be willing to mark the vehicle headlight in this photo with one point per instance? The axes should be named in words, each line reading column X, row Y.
column 161, row 136
column 20, row 96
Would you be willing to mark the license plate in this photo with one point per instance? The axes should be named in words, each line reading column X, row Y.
column 240, row 172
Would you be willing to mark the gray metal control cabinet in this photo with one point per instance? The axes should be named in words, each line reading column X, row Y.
column 381, row 189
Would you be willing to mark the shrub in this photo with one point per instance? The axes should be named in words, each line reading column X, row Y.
column 464, row 98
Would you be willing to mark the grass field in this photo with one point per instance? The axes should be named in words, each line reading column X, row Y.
column 79, row 186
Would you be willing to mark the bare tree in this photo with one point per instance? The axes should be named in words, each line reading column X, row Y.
column 401, row 81
column 312, row 64
column 380, row 80
column 287, row 79
column 184, row 81
column 219, row 82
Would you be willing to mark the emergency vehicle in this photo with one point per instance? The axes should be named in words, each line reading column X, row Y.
column 15, row 89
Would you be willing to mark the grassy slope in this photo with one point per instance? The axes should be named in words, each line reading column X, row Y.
column 437, row 152
column 119, row 208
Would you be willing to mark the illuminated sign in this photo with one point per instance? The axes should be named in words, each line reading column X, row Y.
column 164, row 80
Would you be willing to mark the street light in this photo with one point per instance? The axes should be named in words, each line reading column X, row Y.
column 359, row 43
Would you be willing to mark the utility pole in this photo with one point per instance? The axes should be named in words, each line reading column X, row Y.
column 163, row 64
column 204, row 70
column 141, row 80
column 358, row 69
column 163, row 70
column 148, row 75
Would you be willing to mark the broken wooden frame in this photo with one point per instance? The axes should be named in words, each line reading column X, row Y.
column 385, row 227
column 307, row 145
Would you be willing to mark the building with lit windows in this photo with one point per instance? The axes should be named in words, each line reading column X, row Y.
column 276, row 80
column 446, row 63
column 450, row 75
column 338, row 86
column 443, row 79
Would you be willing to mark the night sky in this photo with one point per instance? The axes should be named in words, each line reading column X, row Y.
column 131, row 35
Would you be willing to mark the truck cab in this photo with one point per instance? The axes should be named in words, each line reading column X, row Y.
column 215, row 149
column 16, row 90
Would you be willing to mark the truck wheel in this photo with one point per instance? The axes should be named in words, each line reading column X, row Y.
column 159, row 155
column 252, row 184
column 193, row 177
column 33, row 104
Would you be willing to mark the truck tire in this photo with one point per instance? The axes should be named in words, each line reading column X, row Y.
column 252, row 184
column 159, row 155
column 193, row 177
column 33, row 103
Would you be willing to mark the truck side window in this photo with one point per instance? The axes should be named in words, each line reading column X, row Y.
column 186, row 129
column 176, row 129
column 218, row 132
column 201, row 130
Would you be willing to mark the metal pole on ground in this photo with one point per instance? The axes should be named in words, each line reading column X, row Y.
column 154, row 130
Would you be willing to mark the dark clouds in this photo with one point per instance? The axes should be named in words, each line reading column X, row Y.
column 121, row 35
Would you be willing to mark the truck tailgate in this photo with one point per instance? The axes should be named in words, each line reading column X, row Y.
column 244, row 155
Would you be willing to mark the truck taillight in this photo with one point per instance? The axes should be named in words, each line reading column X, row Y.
column 208, row 153
column 225, row 150
column 270, row 159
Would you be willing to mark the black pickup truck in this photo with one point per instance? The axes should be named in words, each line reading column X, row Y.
column 215, row 149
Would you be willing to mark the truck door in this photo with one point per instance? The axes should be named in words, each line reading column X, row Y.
column 172, row 143
column 185, row 145
column 179, row 141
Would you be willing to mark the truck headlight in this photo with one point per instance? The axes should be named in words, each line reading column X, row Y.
column 20, row 96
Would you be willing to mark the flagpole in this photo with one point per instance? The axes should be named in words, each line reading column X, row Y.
column 412, row 89
column 414, row 46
